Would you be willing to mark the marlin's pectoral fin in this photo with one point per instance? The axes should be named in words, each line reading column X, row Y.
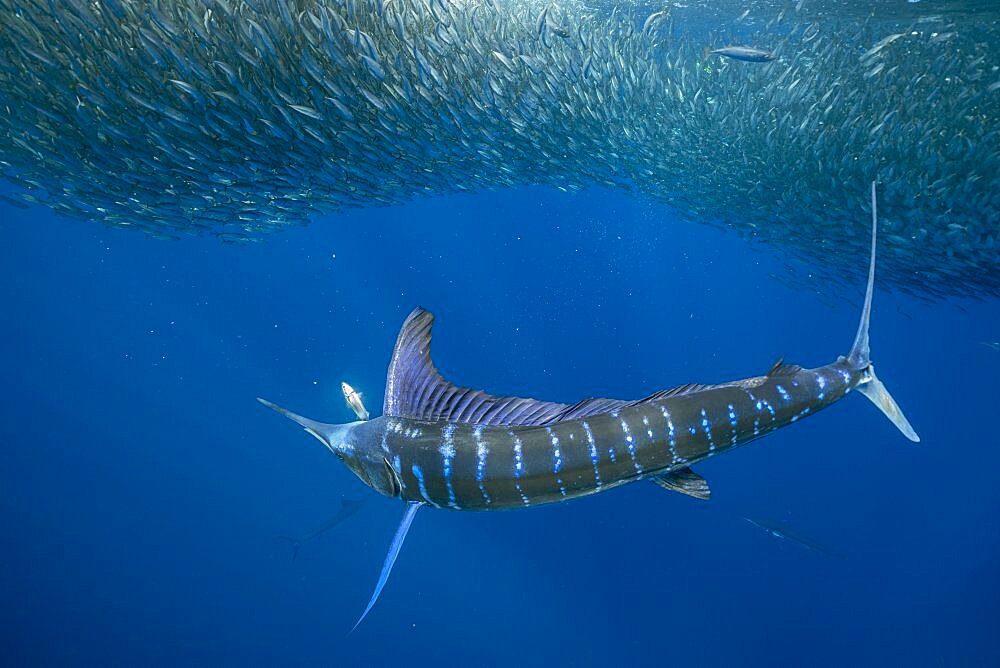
column 390, row 558
column 685, row 481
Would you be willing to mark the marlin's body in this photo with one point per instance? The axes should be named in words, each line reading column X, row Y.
column 468, row 466
column 445, row 446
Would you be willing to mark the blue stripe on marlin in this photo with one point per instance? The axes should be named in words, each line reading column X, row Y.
column 451, row 447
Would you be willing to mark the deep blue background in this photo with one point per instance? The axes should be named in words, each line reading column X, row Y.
column 142, row 489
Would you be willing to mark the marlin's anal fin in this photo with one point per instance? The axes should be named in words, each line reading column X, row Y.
column 685, row 481
column 390, row 558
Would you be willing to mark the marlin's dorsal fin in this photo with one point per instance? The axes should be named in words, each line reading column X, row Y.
column 685, row 481
column 414, row 388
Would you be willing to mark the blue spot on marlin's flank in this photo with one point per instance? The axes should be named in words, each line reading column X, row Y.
column 556, row 460
column 518, row 466
column 783, row 392
column 594, row 457
column 556, row 454
column 671, row 434
column 446, row 470
column 732, row 423
column 518, row 456
column 768, row 406
column 707, row 427
column 481, row 453
column 421, row 485
column 447, row 450
column 630, row 446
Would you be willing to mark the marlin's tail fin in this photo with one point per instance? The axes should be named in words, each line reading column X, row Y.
column 860, row 358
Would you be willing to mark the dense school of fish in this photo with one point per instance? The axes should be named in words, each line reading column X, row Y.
column 235, row 117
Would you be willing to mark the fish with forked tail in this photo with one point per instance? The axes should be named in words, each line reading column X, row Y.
column 347, row 508
column 779, row 530
column 444, row 446
column 747, row 54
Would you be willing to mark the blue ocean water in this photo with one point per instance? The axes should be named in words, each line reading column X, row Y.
column 143, row 490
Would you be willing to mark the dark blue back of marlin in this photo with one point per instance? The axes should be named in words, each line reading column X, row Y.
column 450, row 447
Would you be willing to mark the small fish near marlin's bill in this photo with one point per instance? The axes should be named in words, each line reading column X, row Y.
column 444, row 446
column 353, row 398
column 747, row 54
column 992, row 345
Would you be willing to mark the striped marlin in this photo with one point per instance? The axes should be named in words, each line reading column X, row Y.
column 444, row 446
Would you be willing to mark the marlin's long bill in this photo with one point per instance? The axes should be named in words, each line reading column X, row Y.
column 454, row 447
